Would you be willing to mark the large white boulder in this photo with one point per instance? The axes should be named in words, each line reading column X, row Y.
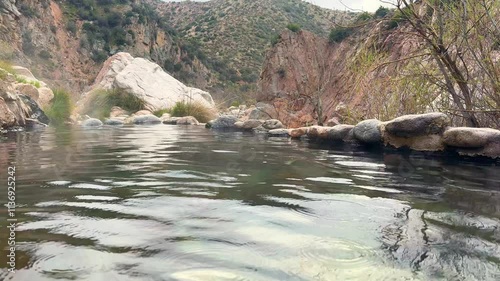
column 147, row 81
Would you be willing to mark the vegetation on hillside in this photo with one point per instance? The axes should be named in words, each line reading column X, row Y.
column 234, row 35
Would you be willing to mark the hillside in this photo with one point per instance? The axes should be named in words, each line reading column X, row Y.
column 66, row 41
column 232, row 36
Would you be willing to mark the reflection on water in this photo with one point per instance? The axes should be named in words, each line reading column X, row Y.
column 174, row 203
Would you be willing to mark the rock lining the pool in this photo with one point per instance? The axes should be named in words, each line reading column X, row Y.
column 430, row 132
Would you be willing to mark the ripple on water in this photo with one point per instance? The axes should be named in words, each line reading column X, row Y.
column 331, row 180
column 89, row 186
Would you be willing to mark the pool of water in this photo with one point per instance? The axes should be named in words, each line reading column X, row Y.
column 186, row 203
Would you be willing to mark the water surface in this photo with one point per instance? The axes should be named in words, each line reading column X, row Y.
column 186, row 203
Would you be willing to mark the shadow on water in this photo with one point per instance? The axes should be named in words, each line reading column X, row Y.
column 179, row 203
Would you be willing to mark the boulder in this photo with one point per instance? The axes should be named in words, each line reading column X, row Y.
column 45, row 96
column 298, row 132
column 272, row 124
column 251, row 124
column 92, row 123
column 114, row 122
column 318, row 132
column 142, row 113
column 147, row 81
column 187, row 120
column 170, row 121
column 418, row 125
column 165, row 116
column 223, row 122
column 28, row 90
column 279, row 133
column 464, row 137
column 368, row 131
column 146, row 120
column 118, row 111
column 340, row 132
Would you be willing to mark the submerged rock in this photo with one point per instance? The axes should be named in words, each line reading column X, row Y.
column 418, row 125
column 91, row 123
column 146, row 120
column 223, row 122
column 368, row 131
column 114, row 122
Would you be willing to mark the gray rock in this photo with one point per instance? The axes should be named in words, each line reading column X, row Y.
column 146, row 120
column 114, row 122
column 251, row 124
column 279, row 133
column 464, row 137
column 171, row 120
column 272, row 124
column 340, row 132
column 91, row 123
column 187, row 120
column 260, row 130
column 418, row 125
column 262, row 111
column 223, row 122
column 368, row 131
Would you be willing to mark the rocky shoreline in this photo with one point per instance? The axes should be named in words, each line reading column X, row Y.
column 430, row 132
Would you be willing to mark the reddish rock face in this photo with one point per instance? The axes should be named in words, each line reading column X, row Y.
column 304, row 72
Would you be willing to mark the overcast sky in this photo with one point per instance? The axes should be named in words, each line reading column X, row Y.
column 365, row 5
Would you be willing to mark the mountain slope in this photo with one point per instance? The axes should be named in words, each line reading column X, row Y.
column 234, row 34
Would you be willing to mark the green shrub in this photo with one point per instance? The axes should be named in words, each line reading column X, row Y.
column 100, row 102
column 159, row 113
column 199, row 111
column 338, row 34
column 365, row 16
column 25, row 81
column 60, row 110
column 381, row 12
column 275, row 40
column 293, row 27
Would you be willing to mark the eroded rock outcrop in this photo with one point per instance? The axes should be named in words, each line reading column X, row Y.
column 16, row 108
column 147, row 81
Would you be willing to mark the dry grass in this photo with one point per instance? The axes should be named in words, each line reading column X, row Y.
column 198, row 110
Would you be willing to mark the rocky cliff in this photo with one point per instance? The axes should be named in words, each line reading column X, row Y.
column 20, row 99
column 383, row 68
column 66, row 42
column 309, row 78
